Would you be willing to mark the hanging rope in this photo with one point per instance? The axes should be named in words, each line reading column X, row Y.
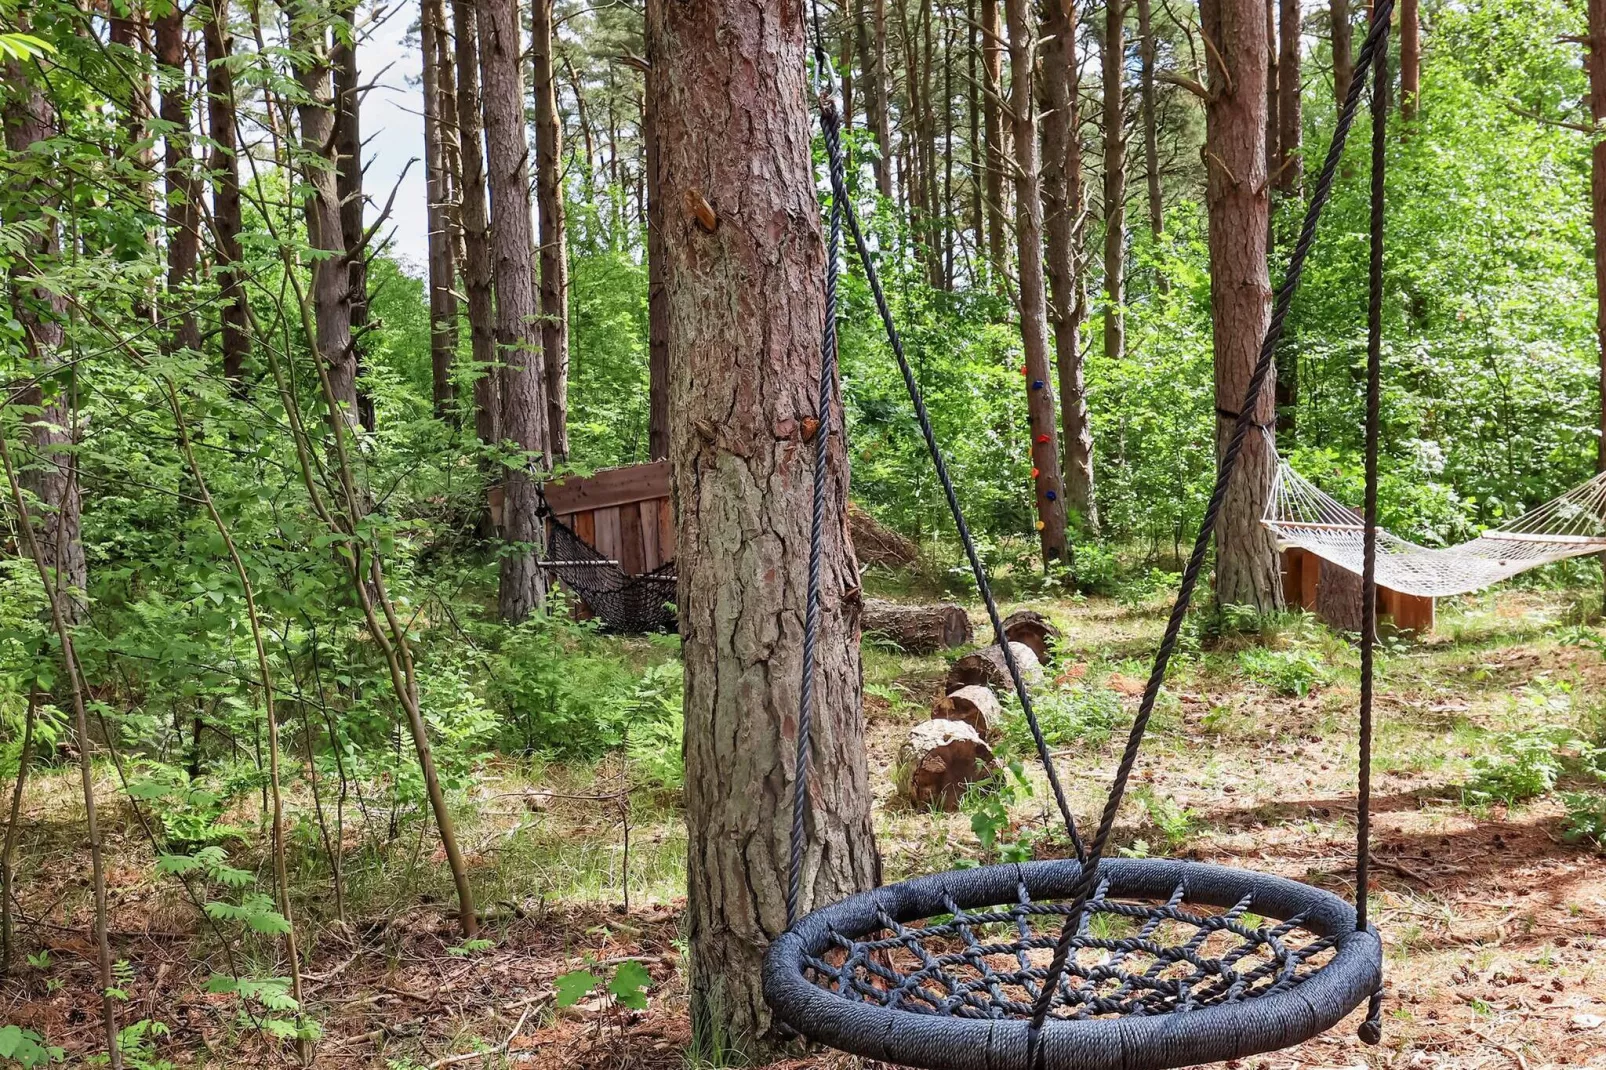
column 1375, row 42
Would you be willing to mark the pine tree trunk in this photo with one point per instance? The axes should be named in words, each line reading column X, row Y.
column 1595, row 65
column 331, row 284
column 881, row 116
column 442, row 266
column 472, row 218
column 1343, row 65
column 1114, row 57
column 183, row 199
column 1151, row 118
column 1040, row 406
column 348, row 183
column 524, row 405
column 1062, row 166
column 1290, row 179
column 48, row 433
column 554, row 241
column 993, row 118
column 1240, row 289
column 978, row 159
column 744, row 336
column 227, row 218
column 1410, row 59
column 1273, row 89
column 658, row 417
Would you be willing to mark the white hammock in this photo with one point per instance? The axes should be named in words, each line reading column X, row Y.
column 1573, row 525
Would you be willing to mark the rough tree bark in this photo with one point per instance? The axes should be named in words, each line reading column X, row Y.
column 1114, row 69
column 524, row 407
column 993, row 120
column 1290, row 179
column 472, row 220
column 348, row 184
column 1151, row 119
column 1240, row 288
column 1273, row 88
column 1048, row 490
column 50, row 474
column 881, row 114
column 182, row 214
column 442, row 265
column 1062, row 197
column 1343, row 65
column 554, row 241
column 224, row 166
column 331, row 285
column 1410, row 59
column 744, row 281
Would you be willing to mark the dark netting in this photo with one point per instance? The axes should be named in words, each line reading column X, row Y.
column 1129, row 958
column 624, row 603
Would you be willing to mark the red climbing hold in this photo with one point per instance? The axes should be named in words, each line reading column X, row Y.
column 1042, row 439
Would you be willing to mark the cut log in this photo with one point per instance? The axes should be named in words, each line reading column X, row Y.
column 986, row 667
column 976, row 706
column 1035, row 630
column 918, row 629
column 938, row 761
column 877, row 544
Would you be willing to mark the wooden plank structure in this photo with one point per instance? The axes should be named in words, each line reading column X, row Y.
column 623, row 513
column 1334, row 594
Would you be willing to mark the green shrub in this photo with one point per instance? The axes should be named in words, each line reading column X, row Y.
column 1586, row 817
column 1079, row 713
column 1295, row 671
column 1524, row 765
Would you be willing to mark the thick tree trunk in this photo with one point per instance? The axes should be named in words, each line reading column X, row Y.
column 1031, row 628
column 442, row 262
column 658, row 417
column 918, row 629
column 1273, row 88
column 993, row 118
column 554, row 241
column 472, row 219
column 227, row 218
column 348, row 184
column 1410, row 59
column 1151, row 118
column 1041, row 411
column 331, row 283
column 938, row 762
column 1062, row 196
column 50, row 472
column 986, row 667
column 1240, row 289
column 976, row 706
column 745, row 301
column 1114, row 57
column 183, row 200
column 1290, row 179
column 524, row 407
column 1343, row 65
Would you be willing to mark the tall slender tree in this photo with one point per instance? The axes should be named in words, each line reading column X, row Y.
column 1237, row 203
column 1290, row 56
column 349, row 187
column 442, row 254
column 224, row 169
column 1062, row 196
column 524, row 404
column 1114, row 57
column 657, row 297
column 1273, row 128
column 473, row 222
column 1148, row 102
column 554, row 239
column 183, row 194
column 881, row 103
column 745, row 279
column 993, row 118
column 1342, row 34
column 1410, row 59
column 1048, row 492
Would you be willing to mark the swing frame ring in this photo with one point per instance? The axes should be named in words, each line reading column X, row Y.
column 1230, row 1030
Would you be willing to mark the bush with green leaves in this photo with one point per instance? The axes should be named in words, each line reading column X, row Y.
column 1292, row 671
column 25, row 1048
column 1523, row 765
column 1068, row 714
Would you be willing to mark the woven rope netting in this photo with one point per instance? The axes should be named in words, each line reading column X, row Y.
column 1573, row 525
column 624, row 603
column 1128, row 958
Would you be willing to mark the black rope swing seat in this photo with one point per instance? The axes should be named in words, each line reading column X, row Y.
column 1088, row 962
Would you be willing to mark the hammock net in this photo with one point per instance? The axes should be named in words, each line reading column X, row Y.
column 624, row 603
column 1300, row 514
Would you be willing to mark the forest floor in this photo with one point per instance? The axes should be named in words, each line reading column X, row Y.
column 1494, row 928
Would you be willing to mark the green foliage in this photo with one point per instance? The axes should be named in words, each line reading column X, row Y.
column 1292, row 671
column 1586, row 817
column 1067, row 714
column 1523, row 766
column 627, row 987
column 25, row 1048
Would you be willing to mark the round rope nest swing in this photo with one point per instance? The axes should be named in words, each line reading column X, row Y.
column 1088, row 962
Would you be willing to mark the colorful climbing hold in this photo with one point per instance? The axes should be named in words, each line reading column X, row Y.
column 1036, row 472
column 1041, row 525
column 1037, row 384
column 1052, row 496
column 1042, row 439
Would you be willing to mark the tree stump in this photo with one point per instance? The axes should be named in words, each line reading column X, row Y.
column 918, row 629
column 938, row 761
column 976, row 706
column 1031, row 628
column 877, row 544
column 986, row 667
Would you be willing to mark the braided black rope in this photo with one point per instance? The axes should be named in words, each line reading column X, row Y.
column 1376, row 41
